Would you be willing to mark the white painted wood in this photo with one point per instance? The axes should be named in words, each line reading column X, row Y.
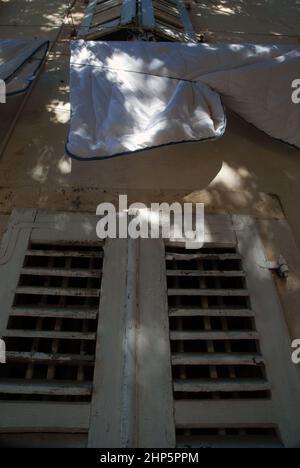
column 40, row 226
column 128, row 11
column 13, row 246
column 98, row 20
column 78, row 292
column 44, row 440
column 221, row 385
column 95, row 33
column 232, row 413
column 88, row 16
column 111, row 402
column 129, row 378
column 192, row 312
column 225, row 441
column 214, row 335
column 189, row 31
column 17, row 387
column 208, row 292
column 62, row 253
column 64, row 272
column 76, row 313
column 65, row 226
column 283, row 378
column 106, row 5
column 201, row 256
column 107, row 400
column 61, row 335
column 136, row 14
column 218, row 231
column 154, row 379
column 216, row 359
column 71, row 359
column 275, row 343
column 51, row 417
column 88, row 314
column 282, row 243
column 217, row 273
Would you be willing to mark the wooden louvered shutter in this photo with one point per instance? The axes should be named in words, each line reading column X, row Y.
column 143, row 343
column 51, row 269
column 232, row 382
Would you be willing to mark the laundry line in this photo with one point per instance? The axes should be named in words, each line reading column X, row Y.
column 132, row 115
column 205, row 29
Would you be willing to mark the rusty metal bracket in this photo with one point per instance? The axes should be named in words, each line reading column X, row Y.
column 281, row 267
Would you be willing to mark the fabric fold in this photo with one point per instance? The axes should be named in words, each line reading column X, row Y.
column 130, row 96
column 19, row 62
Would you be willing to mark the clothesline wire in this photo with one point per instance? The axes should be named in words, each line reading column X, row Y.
column 114, row 69
column 107, row 68
column 205, row 30
column 52, row 58
column 21, row 107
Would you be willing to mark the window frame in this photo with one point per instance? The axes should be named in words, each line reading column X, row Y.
column 27, row 226
column 133, row 358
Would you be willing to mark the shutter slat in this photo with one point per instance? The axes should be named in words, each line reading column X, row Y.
column 50, row 334
column 221, row 385
column 218, row 413
column 237, row 359
column 142, row 16
column 217, row 273
column 202, row 256
column 58, row 417
column 64, row 253
column 214, row 335
column 226, row 441
column 47, row 357
column 79, row 314
column 73, row 292
column 208, row 292
column 17, row 387
column 192, row 312
column 69, row 273
column 50, row 324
